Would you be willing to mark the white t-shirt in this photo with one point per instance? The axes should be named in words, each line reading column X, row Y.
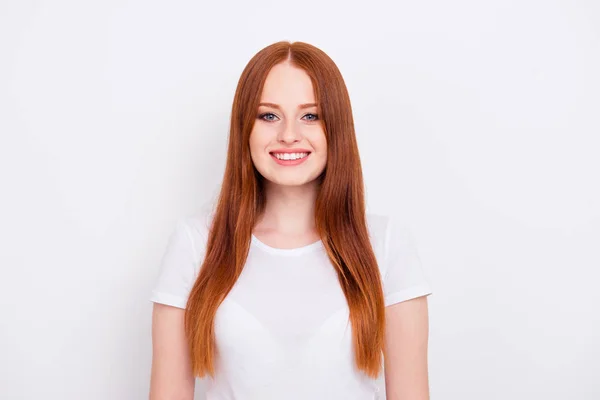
column 283, row 332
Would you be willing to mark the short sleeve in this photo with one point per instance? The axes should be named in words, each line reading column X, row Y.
column 403, row 275
column 178, row 267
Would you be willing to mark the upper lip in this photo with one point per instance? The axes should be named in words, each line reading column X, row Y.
column 291, row 151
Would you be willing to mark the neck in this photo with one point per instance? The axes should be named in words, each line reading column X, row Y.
column 289, row 209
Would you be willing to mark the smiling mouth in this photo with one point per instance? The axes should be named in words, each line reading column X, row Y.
column 290, row 156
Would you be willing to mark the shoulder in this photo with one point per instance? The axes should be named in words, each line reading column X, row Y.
column 381, row 226
column 402, row 273
column 387, row 232
column 377, row 225
column 198, row 223
column 195, row 227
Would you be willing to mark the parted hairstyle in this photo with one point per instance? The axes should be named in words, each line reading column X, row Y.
column 340, row 216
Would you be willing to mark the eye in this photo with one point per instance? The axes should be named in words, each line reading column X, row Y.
column 314, row 117
column 269, row 115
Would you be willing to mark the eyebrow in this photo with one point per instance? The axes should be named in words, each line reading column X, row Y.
column 301, row 106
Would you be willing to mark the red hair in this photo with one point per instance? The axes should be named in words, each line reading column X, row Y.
column 339, row 210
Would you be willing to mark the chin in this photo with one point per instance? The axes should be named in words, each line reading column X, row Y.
column 291, row 181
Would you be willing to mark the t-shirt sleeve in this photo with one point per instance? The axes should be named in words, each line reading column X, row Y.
column 403, row 274
column 178, row 268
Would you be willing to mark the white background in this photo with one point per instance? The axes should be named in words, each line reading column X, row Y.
column 477, row 120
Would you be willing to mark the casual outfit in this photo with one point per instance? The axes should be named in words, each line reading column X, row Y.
column 283, row 331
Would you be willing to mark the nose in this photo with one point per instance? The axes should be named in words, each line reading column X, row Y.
column 289, row 133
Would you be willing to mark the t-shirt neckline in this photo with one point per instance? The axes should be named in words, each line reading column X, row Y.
column 287, row 252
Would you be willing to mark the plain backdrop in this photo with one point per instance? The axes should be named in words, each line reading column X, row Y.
column 477, row 121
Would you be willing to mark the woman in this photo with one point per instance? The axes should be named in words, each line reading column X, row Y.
column 288, row 289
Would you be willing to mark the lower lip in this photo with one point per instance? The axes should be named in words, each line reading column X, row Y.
column 289, row 162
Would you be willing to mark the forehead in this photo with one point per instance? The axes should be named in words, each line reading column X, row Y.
column 288, row 85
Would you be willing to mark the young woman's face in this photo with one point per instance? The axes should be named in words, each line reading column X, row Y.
column 288, row 144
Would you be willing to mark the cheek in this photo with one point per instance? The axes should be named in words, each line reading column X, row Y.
column 256, row 145
column 261, row 136
column 319, row 142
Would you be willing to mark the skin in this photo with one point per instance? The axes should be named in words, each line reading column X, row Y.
column 291, row 190
column 171, row 375
column 406, row 342
column 288, row 223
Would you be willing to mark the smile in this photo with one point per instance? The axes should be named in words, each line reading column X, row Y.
column 289, row 158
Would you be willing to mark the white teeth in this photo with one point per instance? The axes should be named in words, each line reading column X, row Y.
column 290, row 156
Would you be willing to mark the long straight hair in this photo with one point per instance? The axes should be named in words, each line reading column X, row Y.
column 339, row 211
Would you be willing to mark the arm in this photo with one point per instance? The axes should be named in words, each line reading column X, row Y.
column 406, row 341
column 171, row 376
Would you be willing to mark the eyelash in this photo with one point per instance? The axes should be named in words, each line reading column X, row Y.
column 261, row 116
